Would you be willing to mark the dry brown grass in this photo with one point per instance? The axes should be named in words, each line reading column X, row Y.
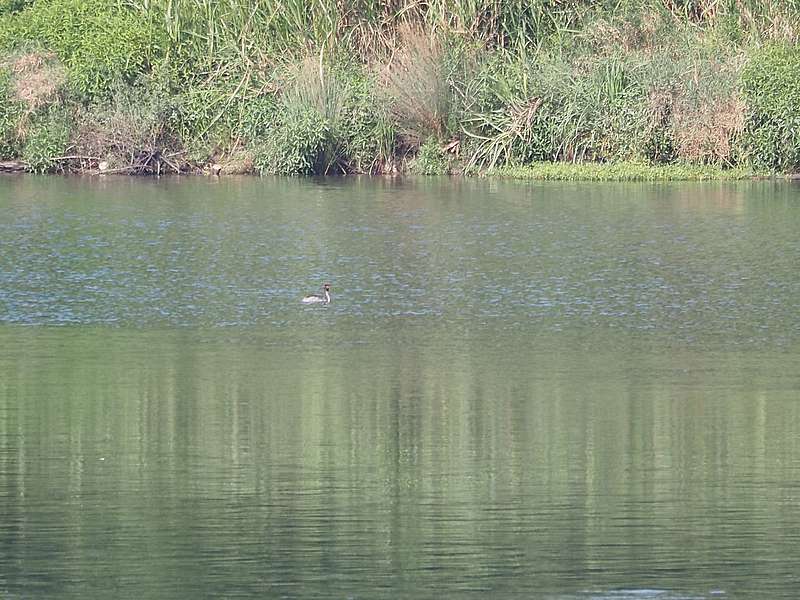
column 773, row 19
column 705, row 133
column 779, row 25
column 238, row 163
column 704, row 130
column 660, row 104
column 415, row 86
column 608, row 37
column 129, row 135
column 698, row 11
column 38, row 78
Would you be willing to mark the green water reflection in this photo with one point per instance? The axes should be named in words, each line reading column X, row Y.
column 573, row 392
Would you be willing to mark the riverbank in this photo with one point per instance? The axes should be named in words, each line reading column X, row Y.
column 618, row 172
column 442, row 87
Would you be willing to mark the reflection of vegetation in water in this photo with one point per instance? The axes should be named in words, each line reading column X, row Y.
column 346, row 87
column 404, row 449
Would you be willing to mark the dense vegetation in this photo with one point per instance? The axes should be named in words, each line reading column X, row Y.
column 356, row 86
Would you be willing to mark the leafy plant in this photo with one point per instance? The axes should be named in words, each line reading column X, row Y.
column 296, row 145
column 13, row 6
column 131, row 130
column 327, row 119
column 430, row 160
column 367, row 133
column 99, row 43
column 46, row 142
column 354, row 86
column 10, row 112
column 771, row 88
column 621, row 171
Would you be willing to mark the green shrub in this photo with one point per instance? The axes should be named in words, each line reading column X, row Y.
column 47, row 140
column 30, row 87
column 430, row 160
column 771, row 88
column 365, row 129
column 501, row 116
column 659, row 145
column 13, row 6
column 10, row 112
column 548, row 108
column 98, row 42
column 135, row 122
column 257, row 117
column 296, row 145
column 202, row 114
column 371, row 140
column 327, row 119
column 601, row 114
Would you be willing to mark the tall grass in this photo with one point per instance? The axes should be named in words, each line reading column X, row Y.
column 257, row 29
column 549, row 108
column 11, row 110
column 417, row 89
column 563, row 90
column 326, row 120
column 343, row 86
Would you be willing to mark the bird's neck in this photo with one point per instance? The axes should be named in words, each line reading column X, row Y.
column 327, row 296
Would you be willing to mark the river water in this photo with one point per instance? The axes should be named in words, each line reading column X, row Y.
column 520, row 390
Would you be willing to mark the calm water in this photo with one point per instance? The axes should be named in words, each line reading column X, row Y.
column 520, row 391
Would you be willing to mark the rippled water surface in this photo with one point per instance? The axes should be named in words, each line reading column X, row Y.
column 519, row 391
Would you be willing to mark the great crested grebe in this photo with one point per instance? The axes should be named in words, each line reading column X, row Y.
column 325, row 298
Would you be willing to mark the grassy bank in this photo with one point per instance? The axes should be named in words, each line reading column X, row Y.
column 633, row 90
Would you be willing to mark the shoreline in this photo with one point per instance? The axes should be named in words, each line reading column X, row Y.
column 623, row 171
column 644, row 91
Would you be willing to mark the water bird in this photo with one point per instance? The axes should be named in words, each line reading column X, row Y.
column 323, row 298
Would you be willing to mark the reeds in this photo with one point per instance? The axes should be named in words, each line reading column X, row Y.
column 255, row 27
column 258, row 28
column 415, row 85
column 342, row 86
